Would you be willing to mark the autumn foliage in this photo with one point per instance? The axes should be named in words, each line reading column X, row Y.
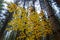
column 28, row 23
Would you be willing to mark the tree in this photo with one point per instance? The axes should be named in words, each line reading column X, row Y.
column 52, row 19
column 28, row 26
column 1, row 1
column 8, row 17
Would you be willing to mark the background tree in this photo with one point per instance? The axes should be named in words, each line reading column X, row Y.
column 52, row 18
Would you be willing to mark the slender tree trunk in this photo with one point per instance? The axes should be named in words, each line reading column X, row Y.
column 53, row 21
column 5, row 24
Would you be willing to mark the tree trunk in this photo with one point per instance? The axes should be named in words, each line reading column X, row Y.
column 53, row 21
column 5, row 24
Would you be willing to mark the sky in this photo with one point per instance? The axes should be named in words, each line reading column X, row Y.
column 9, row 0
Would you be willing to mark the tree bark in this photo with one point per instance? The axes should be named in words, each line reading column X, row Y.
column 5, row 24
column 53, row 21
